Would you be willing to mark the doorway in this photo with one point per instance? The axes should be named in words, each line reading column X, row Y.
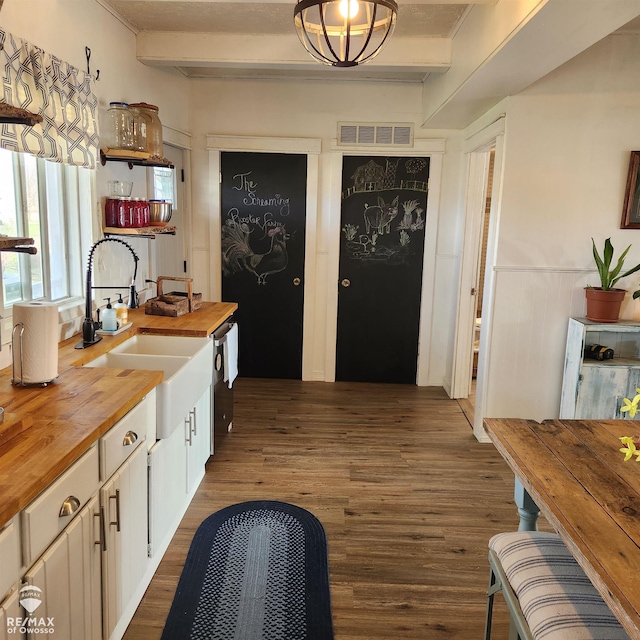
column 484, row 152
column 468, row 404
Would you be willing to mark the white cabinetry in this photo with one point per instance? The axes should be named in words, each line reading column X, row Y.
column 10, row 611
column 198, row 440
column 68, row 575
column 167, row 495
column 593, row 389
column 56, row 506
column 176, row 467
column 123, row 500
column 85, row 546
column 10, row 555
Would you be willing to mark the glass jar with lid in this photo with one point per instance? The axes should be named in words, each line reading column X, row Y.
column 154, row 127
column 120, row 134
column 139, row 129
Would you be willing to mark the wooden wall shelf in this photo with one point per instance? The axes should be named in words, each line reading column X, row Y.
column 18, row 245
column 141, row 232
column 138, row 158
column 17, row 115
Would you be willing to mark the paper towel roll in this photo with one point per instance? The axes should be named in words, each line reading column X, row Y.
column 39, row 362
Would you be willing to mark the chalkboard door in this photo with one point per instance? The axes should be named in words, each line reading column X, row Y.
column 263, row 206
column 384, row 203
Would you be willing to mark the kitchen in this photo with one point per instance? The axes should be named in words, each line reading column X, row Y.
column 254, row 111
column 546, row 125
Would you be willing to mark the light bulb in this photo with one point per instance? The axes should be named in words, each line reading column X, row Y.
column 349, row 8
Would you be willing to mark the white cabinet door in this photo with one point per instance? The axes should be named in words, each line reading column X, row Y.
column 68, row 575
column 123, row 500
column 10, row 555
column 176, row 467
column 11, row 614
column 168, row 498
column 198, row 440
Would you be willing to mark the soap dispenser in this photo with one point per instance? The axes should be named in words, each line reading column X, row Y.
column 109, row 321
column 122, row 311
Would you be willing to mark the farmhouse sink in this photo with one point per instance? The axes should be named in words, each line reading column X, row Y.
column 161, row 345
column 187, row 364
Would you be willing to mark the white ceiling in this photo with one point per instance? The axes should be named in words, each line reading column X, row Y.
column 467, row 56
column 269, row 19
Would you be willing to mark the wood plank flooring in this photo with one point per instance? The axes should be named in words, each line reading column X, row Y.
column 407, row 496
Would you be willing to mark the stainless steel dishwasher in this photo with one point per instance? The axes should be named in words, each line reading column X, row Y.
column 222, row 390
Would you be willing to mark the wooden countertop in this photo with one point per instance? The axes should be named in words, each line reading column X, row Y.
column 82, row 404
column 575, row 473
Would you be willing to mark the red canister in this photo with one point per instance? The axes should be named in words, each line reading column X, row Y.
column 137, row 213
column 111, row 212
column 125, row 213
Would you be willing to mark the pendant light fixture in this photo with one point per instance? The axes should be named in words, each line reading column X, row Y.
column 344, row 33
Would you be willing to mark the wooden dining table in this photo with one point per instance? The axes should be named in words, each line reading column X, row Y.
column 573, row 472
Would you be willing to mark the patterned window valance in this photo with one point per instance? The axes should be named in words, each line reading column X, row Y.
column 60, row 93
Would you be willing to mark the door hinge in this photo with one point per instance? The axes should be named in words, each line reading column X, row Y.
column 182, row 175
column 184, row 266
column 148, row 551
column 220, row 177
column 473, row 291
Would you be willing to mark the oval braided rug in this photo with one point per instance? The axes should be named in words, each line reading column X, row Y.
column 254, row 571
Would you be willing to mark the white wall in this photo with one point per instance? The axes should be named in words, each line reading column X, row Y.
column 568, row 139
column 290, row 109
column 63, row 28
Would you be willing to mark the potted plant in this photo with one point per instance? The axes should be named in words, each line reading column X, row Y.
column 604, row 302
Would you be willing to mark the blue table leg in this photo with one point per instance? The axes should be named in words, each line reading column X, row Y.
column 527, row 508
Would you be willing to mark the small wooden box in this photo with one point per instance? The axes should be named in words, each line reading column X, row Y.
column 175, row 303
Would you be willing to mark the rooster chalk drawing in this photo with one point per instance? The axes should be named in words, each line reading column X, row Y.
column 237, row 254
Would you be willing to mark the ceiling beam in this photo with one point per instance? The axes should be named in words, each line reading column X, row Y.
column 421, row 56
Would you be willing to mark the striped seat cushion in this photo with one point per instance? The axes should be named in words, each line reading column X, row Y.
column 556, row 597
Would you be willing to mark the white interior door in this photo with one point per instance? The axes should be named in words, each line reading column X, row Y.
column 169, row 251
column 478, row 148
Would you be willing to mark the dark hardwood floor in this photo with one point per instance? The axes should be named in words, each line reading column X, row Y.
column 407, row 496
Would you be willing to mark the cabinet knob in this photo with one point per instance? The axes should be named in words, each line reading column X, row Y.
column 296, row 282
column 69, row 506
column 129, row 438
column 345, row 282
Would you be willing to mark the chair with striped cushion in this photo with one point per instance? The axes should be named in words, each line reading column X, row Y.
column 548, row 595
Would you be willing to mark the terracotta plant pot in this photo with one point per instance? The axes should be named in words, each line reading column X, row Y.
column 604, row 306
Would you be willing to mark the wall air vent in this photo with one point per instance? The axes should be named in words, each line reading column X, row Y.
column 375, row 134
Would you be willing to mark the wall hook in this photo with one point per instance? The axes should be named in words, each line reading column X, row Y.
column 87, row 52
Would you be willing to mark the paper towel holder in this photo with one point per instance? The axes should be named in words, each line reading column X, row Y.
column 14, row 380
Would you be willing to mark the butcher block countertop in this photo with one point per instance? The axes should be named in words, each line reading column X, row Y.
column 81, row 405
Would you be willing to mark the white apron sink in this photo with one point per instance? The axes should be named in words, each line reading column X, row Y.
column 187, row 364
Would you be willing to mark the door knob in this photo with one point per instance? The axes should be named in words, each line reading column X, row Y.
column 296, row 282
column 345, row 282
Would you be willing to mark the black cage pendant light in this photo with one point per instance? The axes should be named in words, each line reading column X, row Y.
column 344, row 33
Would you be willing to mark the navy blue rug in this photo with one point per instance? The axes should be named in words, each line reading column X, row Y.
column 254, row 571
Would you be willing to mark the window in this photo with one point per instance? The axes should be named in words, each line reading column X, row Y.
column 43, row 200
column 164, row 184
